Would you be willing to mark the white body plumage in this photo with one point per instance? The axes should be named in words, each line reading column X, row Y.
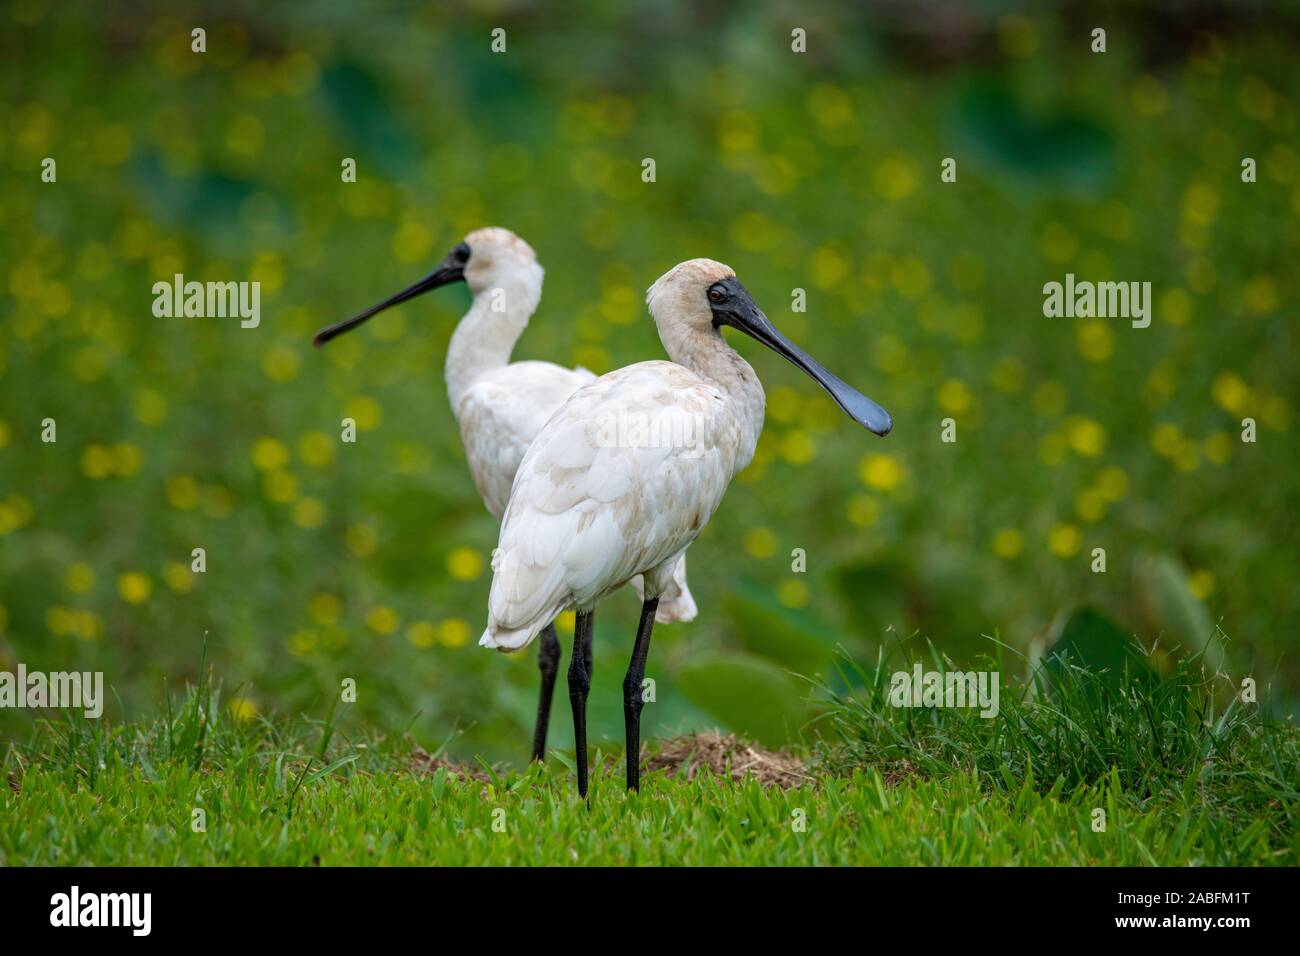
column 586, row 515
column 501, row 406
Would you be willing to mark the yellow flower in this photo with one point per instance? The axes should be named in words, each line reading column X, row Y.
column 1017, row 35
column 1090, row 505
column 134, row 587
column 454, row 632
column 891, row 355
column 412, row 242
column 1008, row 543
column 895, row 176
column 954, row 396
column 1260, row 294
column 79, row 578
column 96, row 461
column 365, row 411
column 241, row 708
column 1276, row 413
column 1176, row 306
column 1064, row 540
column 828, row 268
column 1096, row 340
column 1008, row 374
column 1256, row 98
column 325, row 609
column 1187, row 457
column 464, row 564
column 245, row 135
column 269, row 454
column 1052, row 448
column 59, row 621
column 1201, row 275
column 126, row 459
column 86, row 625
column 150, row 407
column 783, row 404
column 1200, row 204
column 267, row 268
column 316, row 449
column 1049, row 398
column 179, row 577
column 382, row 620
column 566, row 621
column 1218, row 448
column 15, row 511
column 760, row 542
column 797, row 447
column 910, row 277
column 1166, row 439
column 863, row 510
column 1230, row 392
column 362, row 540
column 308, row 513
column 217, row 501
column 182, row 492
column 302, row 642
column 422, row 634
column 280, row 363
column 880, row 471
column 1085, row 436
column 792, row 592
column 1149, row 96
column 1112, row 484
column 1058, row 243
column 1201, row 583
column 280, row 486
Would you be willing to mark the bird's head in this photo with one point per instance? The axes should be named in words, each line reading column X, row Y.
column 700, row 294
column 494, row 256
column 485, row 259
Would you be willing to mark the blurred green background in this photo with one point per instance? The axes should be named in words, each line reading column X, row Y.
column 817, row 171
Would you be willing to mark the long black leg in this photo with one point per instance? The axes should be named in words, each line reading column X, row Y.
column 579, row 684
column 632, row 699
column 548, row 662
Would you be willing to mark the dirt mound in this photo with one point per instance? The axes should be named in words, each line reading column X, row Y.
column 728, row 756
column 424, row 762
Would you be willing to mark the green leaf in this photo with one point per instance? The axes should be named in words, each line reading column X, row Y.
column 1175, row 611
column 750, row 695
column 1057, row 147
column 331, row 767
column 1087, row 637
column 766, row 627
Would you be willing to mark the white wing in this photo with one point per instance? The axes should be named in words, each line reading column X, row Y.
column 501, row 413
column 619, row 481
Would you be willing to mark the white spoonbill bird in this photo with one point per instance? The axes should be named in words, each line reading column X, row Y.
column 501, row 405
column 588, row 513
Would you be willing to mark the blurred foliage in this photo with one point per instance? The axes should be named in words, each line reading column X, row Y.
column 817, row 171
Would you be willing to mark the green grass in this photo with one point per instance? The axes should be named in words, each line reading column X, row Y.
column 894, row 791
column 1183, row 746
column 132, row 817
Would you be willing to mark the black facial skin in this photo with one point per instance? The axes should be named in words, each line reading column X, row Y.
column 451, row 269
column 732, row 305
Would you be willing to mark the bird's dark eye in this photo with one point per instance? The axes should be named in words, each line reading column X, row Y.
column 715, row 295
column 461, row 253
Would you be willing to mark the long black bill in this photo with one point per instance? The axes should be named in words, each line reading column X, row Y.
column 732, row 305
column 452, row 269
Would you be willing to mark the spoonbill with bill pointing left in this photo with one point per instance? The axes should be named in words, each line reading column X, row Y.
column 501, row 405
